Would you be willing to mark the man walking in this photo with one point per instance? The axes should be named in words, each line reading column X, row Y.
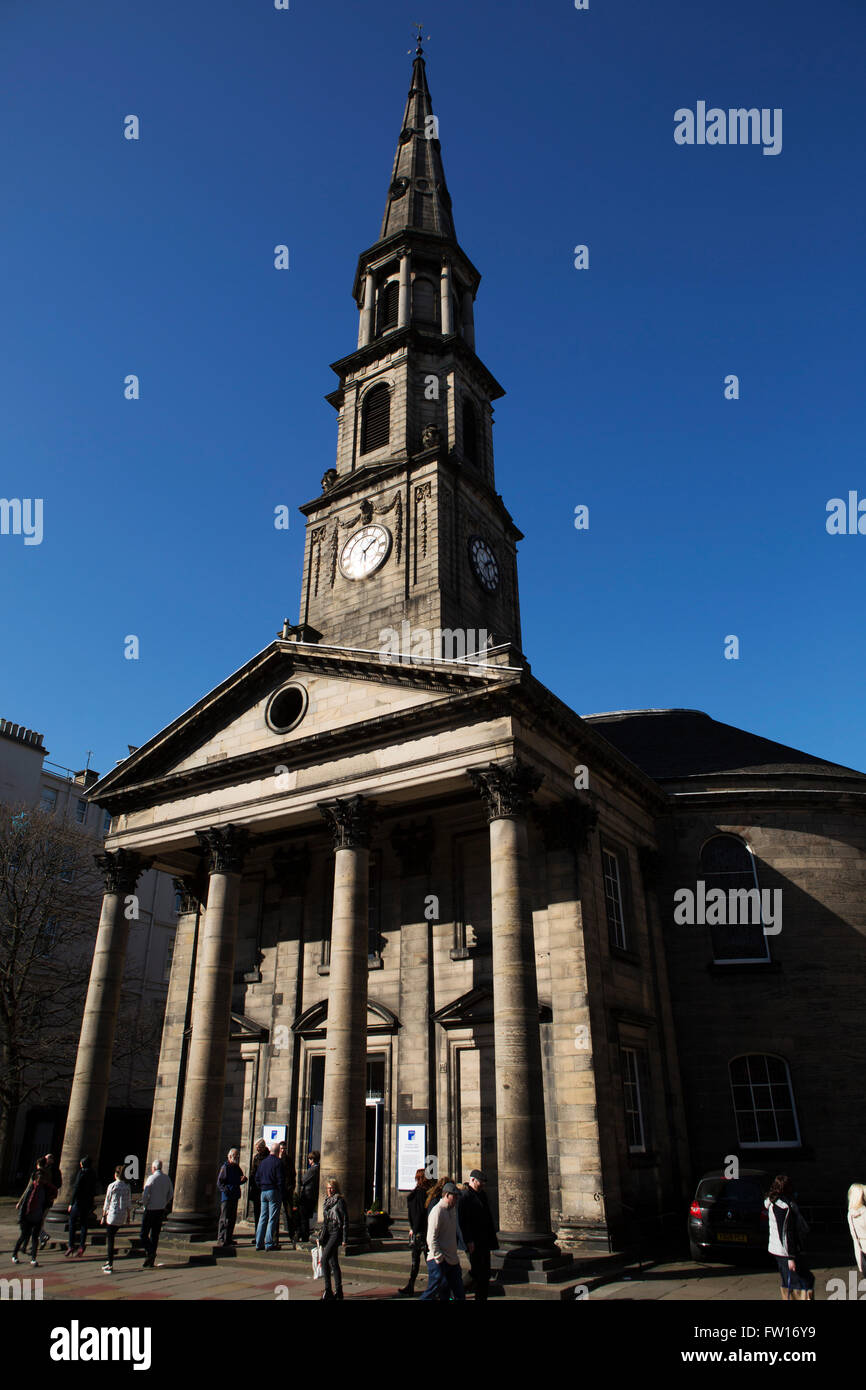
column 230, row 1180
column 158, row 1193
column 443, row 1262
column 269, row 1176
column 478, row 1231
column 308, row 1197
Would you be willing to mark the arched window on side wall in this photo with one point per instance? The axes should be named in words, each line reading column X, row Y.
column 763, row 1101
column 375, row 419
column 728, row 864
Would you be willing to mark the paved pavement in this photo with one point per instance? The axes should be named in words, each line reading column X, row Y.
column 185, row 1272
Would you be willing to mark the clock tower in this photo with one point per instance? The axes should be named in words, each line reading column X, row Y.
column 409, row 533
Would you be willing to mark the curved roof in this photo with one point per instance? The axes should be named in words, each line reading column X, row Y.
column 672, row 745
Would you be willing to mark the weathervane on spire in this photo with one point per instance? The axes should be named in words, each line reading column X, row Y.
column 419, row 51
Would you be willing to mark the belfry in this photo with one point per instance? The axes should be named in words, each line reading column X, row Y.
column 401, row 919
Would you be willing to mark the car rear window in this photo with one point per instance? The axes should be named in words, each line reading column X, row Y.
column 729, row 1190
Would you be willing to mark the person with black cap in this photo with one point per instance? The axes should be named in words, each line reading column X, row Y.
column 443, row 1262
column 478, row 1231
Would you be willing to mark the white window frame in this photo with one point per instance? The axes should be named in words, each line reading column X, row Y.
column 619, row 938
column 631, row 1080
column 764, row 1143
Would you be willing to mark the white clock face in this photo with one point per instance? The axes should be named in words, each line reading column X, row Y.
column 364, row 552
column 484, row 563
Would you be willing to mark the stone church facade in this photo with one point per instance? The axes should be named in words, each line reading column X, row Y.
column 401, row 906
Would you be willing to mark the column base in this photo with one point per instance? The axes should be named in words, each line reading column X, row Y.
column 358, row 1241
column 194, row 1225
column 527, row 1250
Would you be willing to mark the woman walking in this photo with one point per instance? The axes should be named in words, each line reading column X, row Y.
column 31, row 1206
column 418, row 1214
column 857, row 1223
column 116, row 1212
column 335, row 1229
column 787, row 1233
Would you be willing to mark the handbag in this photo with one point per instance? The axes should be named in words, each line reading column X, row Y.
column 316, row 1256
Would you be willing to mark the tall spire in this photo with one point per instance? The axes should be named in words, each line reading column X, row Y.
column 418, row 197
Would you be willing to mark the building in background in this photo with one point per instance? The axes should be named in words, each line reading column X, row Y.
column 28, row 778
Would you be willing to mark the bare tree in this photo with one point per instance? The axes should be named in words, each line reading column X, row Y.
column 50, row 893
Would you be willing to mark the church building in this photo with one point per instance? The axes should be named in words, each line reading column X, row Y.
column 431, row 917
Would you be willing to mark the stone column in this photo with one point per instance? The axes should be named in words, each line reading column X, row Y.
column 195, row 1199
column 365, row 329
column 521, row 1142
column 413, row 845
column 87, row 1099
column 468, row 319
column 446, row 301
column 405, row 285
column 577, row 1035
column 344, row 1111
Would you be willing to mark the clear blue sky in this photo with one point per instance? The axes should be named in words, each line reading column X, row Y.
column 707, row 516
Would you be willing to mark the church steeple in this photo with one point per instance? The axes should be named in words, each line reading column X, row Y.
column 418, row 195
column 408, row 526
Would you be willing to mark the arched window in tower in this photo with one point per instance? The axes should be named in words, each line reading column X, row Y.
column 470, row 430
column 737, row 932
column 425, row 302
column 389, row 302
column 375, row 419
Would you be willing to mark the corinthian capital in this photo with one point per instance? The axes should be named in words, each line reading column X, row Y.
column 225, row 847
column 349, row 821
column 121, row 869
column 507, row 787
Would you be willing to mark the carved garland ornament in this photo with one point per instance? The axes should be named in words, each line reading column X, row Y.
column 365, row 514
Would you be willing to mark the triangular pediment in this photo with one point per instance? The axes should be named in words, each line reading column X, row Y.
column 343, row 692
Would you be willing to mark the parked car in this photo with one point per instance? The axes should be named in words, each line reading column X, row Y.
column 728, row 1216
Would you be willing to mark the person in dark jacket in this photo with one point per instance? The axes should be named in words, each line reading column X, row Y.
column 269, row 1176
column 289, row 1175
column 416, row 1204
column 32, row 1206
column 478, row 1231
column 80, row 1209
column 787, row 1231
column 333, row 1234
column 230, row 1180
column 55, row 1177
column 308, row 1199
column 259, row 1152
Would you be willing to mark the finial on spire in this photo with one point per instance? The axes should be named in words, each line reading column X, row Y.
column 419, row 51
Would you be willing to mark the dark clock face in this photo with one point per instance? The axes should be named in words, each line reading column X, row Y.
column 484, row 564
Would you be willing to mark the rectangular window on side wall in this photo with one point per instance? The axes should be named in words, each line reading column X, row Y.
column 169, row 957
column 48, row 799
column 615, row 896
column 81, row 811
column 635, row 1085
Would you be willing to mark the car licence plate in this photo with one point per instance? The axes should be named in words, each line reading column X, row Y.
column 732, row 1235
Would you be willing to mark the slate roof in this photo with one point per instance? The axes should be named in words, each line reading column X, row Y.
column 672, row 745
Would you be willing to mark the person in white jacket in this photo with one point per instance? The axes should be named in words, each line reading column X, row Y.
column 857, row 1223
column 116, row 1211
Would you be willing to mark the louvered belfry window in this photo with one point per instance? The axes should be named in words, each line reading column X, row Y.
column 389, row 302
column 375, row 419
column 470, row 431
column 425, row 301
